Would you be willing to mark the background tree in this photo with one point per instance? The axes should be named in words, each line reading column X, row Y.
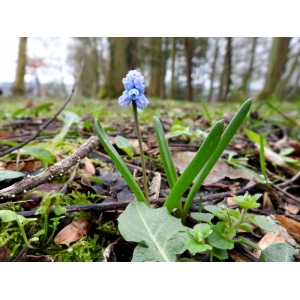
column 213, row 68
column 225, row 83
column 189, row 47
column 277, row 62
column 91, row 49
column 19, row 85
column 172, row 58
column 247, row 75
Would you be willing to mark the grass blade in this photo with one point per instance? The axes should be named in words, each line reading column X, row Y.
column 118, row 161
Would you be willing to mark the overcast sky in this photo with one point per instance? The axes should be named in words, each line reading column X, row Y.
column 52, row 50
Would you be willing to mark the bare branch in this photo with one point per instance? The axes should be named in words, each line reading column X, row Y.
column 49, row 121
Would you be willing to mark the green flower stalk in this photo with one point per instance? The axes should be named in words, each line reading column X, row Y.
column 134, row 92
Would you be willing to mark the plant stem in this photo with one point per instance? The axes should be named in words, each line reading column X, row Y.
column 139, row 137
column 24, row 235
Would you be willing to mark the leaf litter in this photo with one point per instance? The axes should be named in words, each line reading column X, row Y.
column 282, row 196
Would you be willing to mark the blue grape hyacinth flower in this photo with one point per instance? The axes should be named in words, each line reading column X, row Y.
column 134, row 90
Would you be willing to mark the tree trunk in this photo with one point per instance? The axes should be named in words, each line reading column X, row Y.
column 19, row 85
column 282, row 85
column 213, row 70
column 95, row 65
column 157, row 72
column 226, row 76
column 277, row 61
column 248, row 74
column 173, row 56
column 189, row 51
column 118, row 66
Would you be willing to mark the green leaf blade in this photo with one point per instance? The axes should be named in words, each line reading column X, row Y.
column 40, row 153
column 125, row 145
column 161, row 236
column 194, row 166
column 119, row 163
column 279, row 252
column 165, row 153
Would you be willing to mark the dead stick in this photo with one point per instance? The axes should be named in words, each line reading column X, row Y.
column 50, row 173
column 100, row 207
column 49, row 121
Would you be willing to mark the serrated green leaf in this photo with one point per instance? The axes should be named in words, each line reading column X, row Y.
column 263, row 223
column 220, row 253
column 40, row 153
column 216, row 238
column 161, row 236
column 8, row 174
column 234, row 212
column 195, row 247
column 246, row 227
column 217, row 211
column 279, row 252
column 247, row 201
column 125, row 145
column 202, row 217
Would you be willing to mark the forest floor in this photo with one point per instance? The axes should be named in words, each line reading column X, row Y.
column 72, row 215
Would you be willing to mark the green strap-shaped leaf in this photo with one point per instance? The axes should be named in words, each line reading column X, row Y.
column 119, row 163
column 194, row 166
column 225, row 140
column 165, row 153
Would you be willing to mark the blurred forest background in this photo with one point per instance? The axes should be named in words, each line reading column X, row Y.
column 215, row 69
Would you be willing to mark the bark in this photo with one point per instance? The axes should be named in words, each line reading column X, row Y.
column 213, row 70
column 95, row 65
column 189, row 45
column 277, row 62
column 19, row 85
column 247, row 76
column 157, row 69
column 173, row 56
column 118, row 66
column 226, row 76
column 282, row 85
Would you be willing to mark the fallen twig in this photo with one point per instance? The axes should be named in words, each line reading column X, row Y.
column 50, row 173
column 100, row 207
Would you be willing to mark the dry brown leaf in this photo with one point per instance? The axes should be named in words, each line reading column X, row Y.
column 279, row 236
column 135, row 145
column 293, row 209
column 277, row 159
column 237, row 256
column 88, row 166
column 270, row 238
column 219, row 171
column 155, row 186
column 4, row 253
column 72, row 232
column 292, row 226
